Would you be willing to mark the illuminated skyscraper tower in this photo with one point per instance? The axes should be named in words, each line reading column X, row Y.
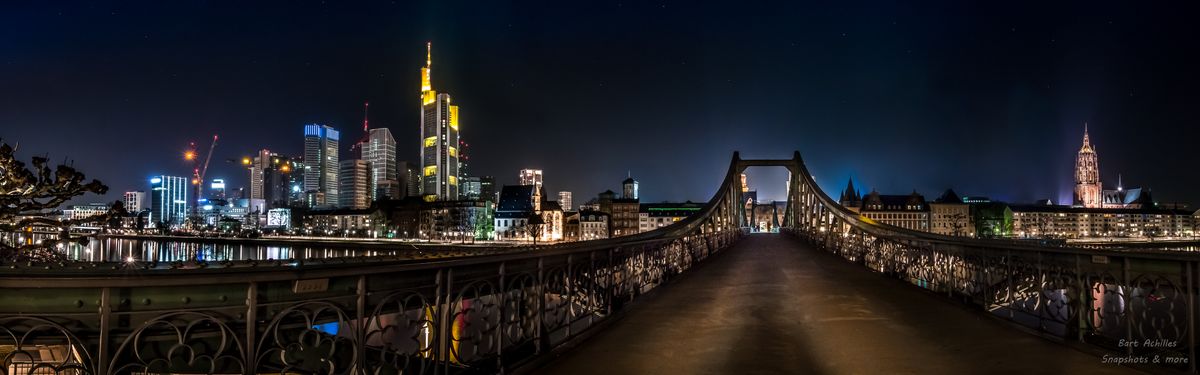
column 439, row 139
column 321, row 164
column 1087, row 175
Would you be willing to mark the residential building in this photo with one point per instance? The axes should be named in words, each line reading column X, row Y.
column 461, row 220
column 948, row 215
column 652, row 216
column 1043, row 221
column 624, row 217
column 592, row 225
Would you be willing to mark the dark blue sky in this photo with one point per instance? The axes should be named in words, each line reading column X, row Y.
column 987, row 99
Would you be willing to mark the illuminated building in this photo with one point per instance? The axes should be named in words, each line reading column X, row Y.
column 321, row 164
column 84, row 211
column 487, row 188
column 948, row 215
column 217, row 189
column 439, row 139
column 745, row 184
column 652, row 216
column 1087, row 175
column 276, row 180
column 135, row 201
column 564, row 199
column 470, row 188
column 380, row 151
column 905, row 211
column 1050, row 221
column 586, row 225
column 630, row 188
column 168, row 200
column 356, row 184
column 513, row 211
column 531, row 177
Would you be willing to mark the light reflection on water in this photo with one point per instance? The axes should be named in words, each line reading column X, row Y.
column 153, row 250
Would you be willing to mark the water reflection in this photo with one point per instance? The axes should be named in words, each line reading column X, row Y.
column 155, row 250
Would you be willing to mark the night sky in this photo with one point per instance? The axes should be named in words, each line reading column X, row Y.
column 990, row 100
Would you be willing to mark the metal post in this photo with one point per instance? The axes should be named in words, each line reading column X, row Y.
column 363, row 326
column 541, row 306
column 570, row 298
column 251, row 325
column 1009, row 293
column 105, row 327
column 1191, row 318
column 503, row 297
column 1126, row 290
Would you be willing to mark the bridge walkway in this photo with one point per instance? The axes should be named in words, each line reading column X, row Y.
column 772, row 304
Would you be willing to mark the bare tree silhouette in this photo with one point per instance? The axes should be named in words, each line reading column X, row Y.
column 27, row 193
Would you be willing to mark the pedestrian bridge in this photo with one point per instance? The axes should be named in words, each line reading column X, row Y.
column 831, row 293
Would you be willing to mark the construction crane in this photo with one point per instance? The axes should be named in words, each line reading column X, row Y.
column 199, row 170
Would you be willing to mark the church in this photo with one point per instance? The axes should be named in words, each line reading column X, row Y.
column 1090, row 193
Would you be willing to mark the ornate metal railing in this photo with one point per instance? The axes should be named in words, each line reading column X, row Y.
column 1137, row 304
column 476, row 314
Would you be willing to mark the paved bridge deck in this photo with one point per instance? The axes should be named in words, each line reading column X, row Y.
column 774, row 305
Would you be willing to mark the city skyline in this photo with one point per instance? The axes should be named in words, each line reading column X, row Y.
column 1037, row 103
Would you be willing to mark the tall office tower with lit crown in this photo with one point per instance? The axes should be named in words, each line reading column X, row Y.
column 1087, row 175
column 321, row 164
column 439, row 139
column 380, row 151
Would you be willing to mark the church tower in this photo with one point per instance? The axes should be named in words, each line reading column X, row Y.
column 1087, row 175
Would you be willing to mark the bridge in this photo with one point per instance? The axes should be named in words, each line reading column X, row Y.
column 831, row 293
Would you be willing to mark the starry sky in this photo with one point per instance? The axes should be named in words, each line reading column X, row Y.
column 989, row 99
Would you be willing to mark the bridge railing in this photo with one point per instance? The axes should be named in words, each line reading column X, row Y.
column 1138, row 305
column 488, row 313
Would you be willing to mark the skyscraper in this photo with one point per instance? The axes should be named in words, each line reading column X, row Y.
column 564, row 200
column 168, row 200
column 380, row 151
column 439, row 139
column 1087, row 175
column 217, row 189
column 356, row 184
column 276, row 179
column 531, row 177
column 321, row 164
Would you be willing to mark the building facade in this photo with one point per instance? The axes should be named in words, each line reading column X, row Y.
column 948, row 215
column 380, row 151
column 564, row 200
column 356, row 186
column 652, row 216
column 905, row 211
column 135, row 201
column 320, row 164
column 530, row 177
column 168, row 200
column 1049, row 221
column 439, row 139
